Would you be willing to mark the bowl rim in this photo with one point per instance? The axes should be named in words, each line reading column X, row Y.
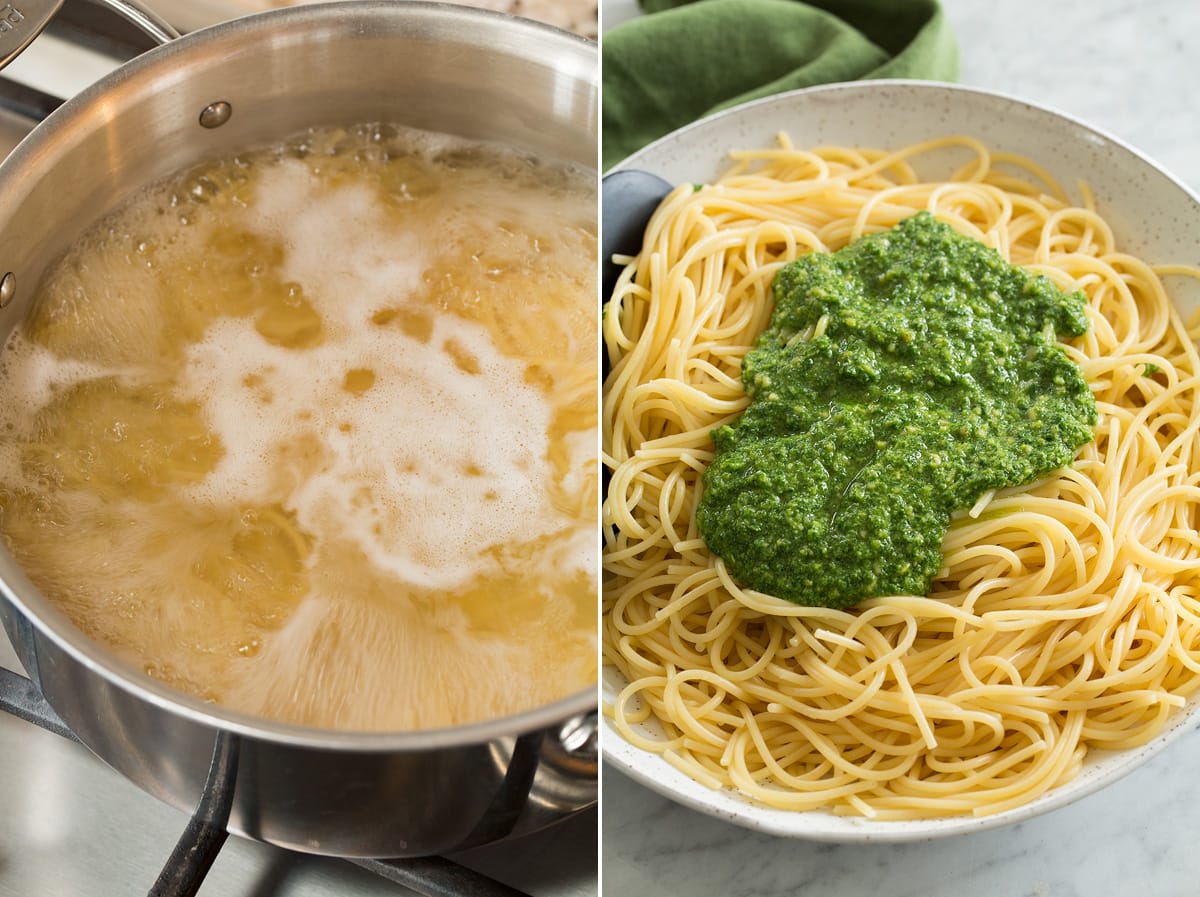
column 654, row 772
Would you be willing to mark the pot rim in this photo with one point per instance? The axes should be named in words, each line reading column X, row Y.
column 28, row 602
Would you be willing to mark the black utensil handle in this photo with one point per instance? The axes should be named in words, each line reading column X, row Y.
column 628, row 199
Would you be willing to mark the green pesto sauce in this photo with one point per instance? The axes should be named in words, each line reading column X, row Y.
column 900, row 379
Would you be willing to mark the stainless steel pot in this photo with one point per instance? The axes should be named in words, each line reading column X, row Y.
column 433, row 66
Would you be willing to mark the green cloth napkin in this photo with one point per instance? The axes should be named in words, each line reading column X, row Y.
column 690, row 59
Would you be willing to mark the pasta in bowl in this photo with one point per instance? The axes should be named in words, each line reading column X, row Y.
column 1059, row 644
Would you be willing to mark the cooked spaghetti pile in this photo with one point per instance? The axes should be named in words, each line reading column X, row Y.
column 1066, row 616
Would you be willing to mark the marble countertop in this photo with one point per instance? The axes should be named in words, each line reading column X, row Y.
column 1130, row 69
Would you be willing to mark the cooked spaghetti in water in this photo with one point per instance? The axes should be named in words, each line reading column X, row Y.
column 1066, row 616
column 309, row 432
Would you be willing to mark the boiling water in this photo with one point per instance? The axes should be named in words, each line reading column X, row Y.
column 310, row 432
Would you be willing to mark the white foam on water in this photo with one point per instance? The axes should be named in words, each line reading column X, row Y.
column 341, row 247
column 425, row 470
column 33, row 375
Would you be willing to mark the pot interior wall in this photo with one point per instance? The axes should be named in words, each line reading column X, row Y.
column 438, row 68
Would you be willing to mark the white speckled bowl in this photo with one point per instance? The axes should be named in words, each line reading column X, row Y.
column 1153, row 215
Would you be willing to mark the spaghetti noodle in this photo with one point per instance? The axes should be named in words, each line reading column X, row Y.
column 1066, row 616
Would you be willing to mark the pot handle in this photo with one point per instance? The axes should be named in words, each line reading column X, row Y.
column 143, row 18
column 24, row 20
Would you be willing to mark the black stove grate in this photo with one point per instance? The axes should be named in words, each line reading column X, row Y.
column 20, row 698
column 205, row 834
